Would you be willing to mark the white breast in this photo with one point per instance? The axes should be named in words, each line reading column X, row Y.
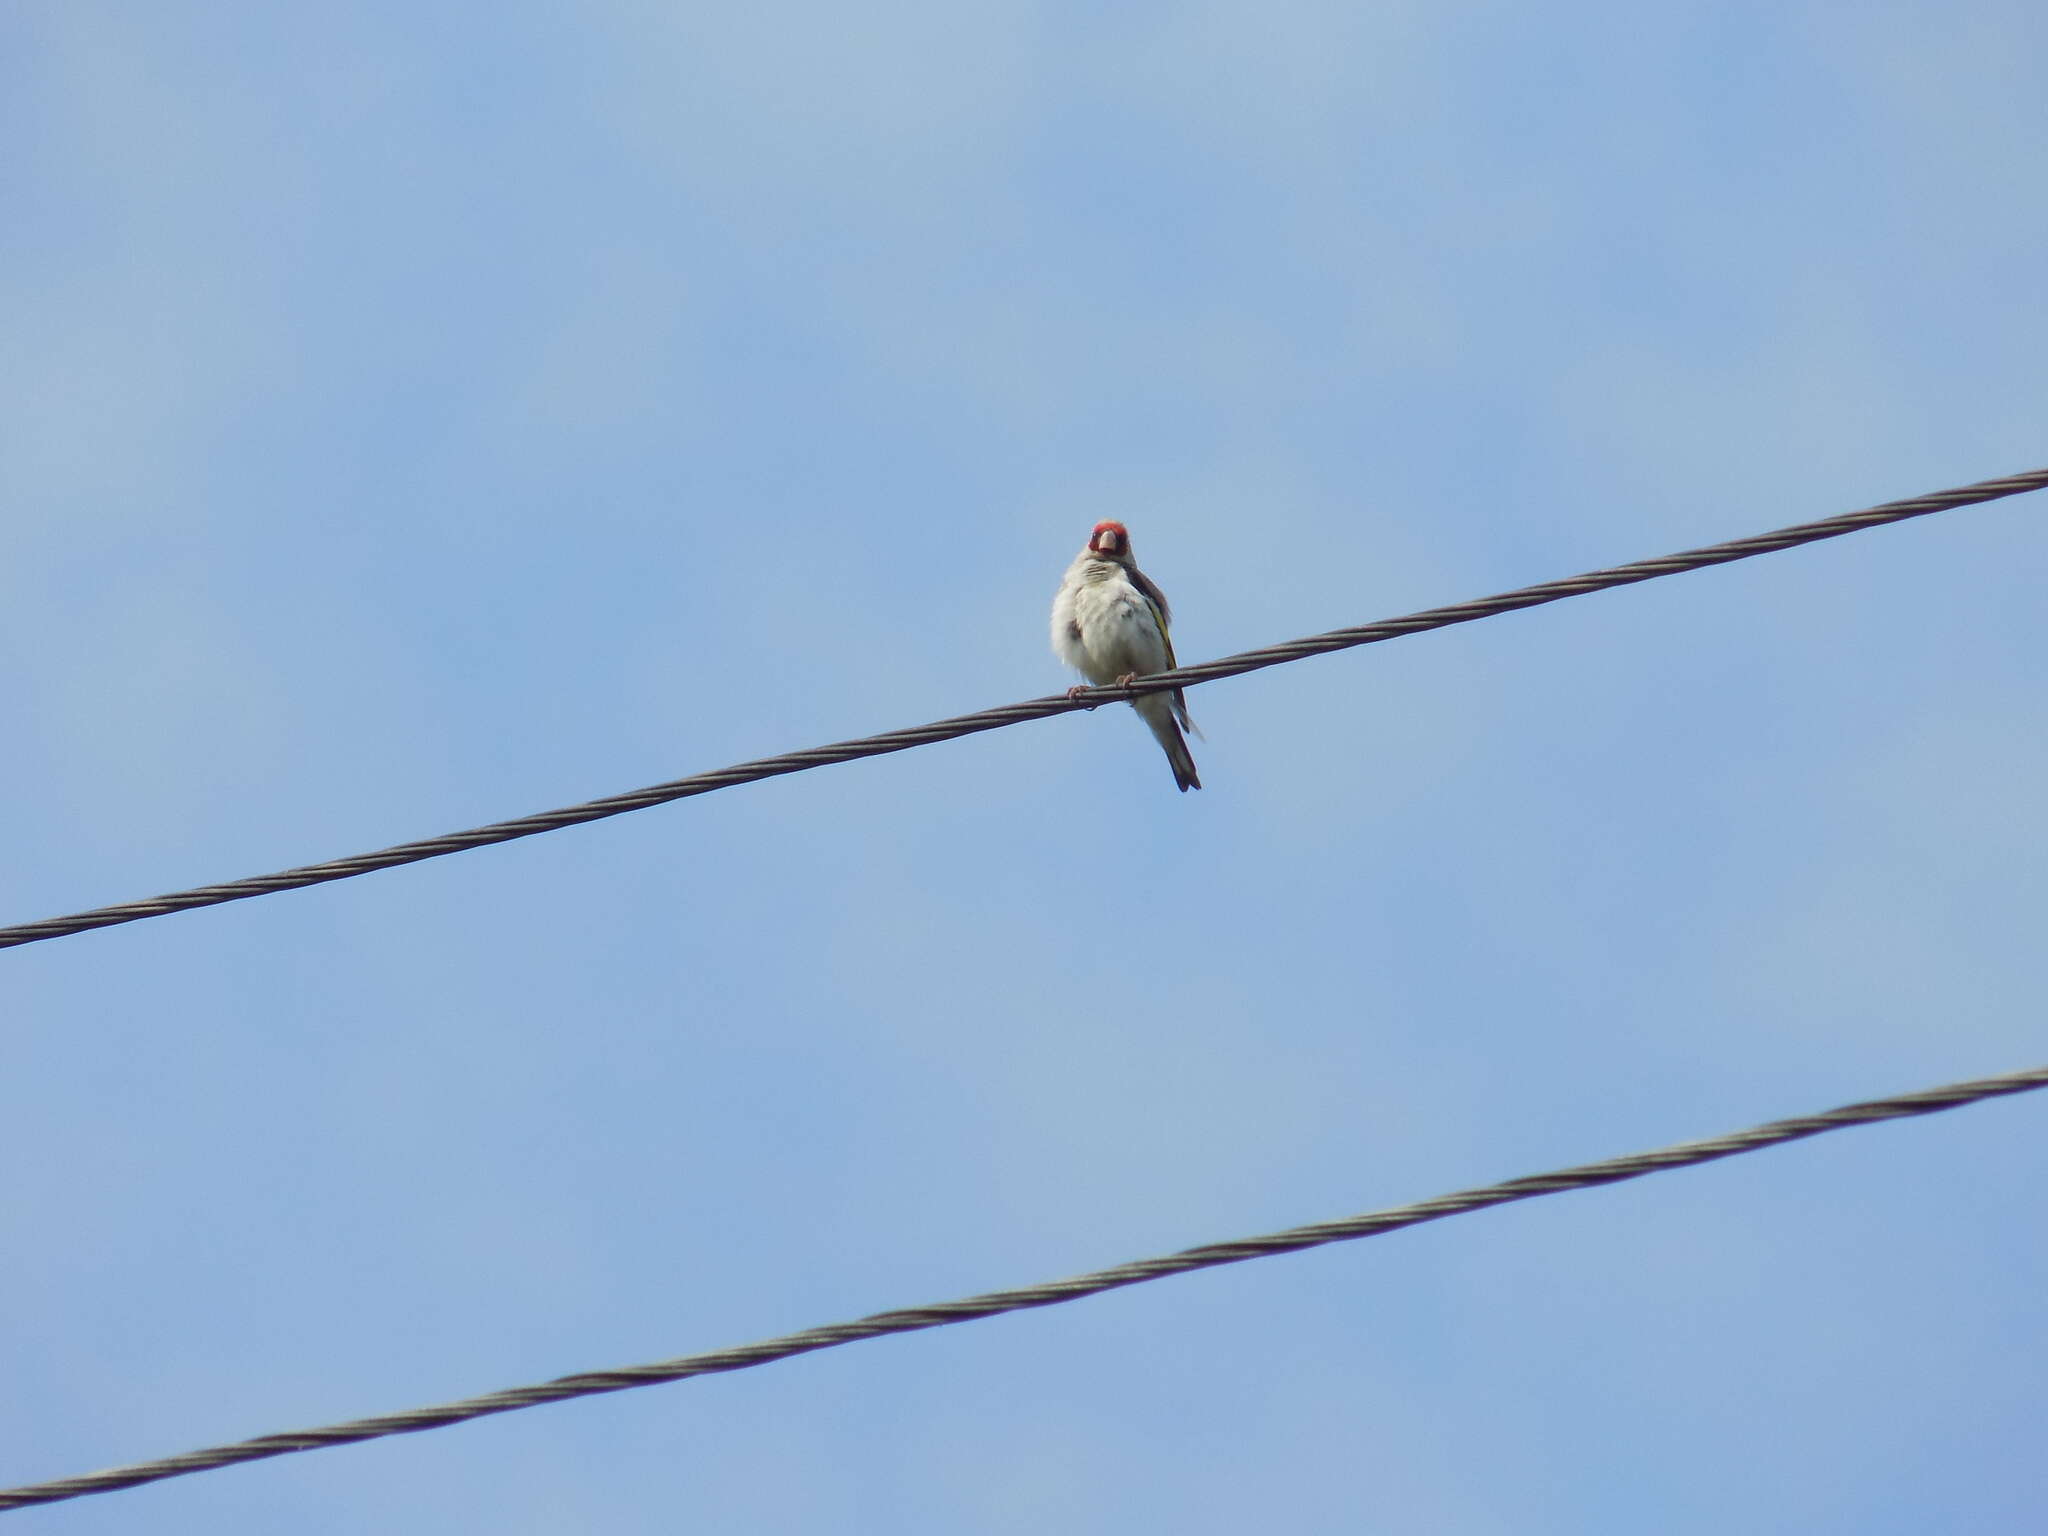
column 1105, row 629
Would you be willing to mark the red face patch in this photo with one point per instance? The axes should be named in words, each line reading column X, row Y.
column 1109, row 539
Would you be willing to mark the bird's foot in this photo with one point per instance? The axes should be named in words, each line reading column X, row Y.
column 1074, row 695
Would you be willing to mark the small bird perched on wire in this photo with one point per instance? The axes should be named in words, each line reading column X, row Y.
column 1110, row 624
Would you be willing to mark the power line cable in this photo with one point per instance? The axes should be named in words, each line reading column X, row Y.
column 993, row 1303
column 1015, row 714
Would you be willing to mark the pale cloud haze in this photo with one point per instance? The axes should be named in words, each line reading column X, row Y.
column 417, row 416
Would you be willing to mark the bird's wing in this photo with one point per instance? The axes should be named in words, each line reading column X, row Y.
column 1160, row 624
column 1162, row 619
column 1146, row 585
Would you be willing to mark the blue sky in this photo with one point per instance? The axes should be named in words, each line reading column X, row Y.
column 421, row 415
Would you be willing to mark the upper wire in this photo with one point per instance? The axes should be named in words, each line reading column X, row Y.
column 990, row 1304
column 1031, row 709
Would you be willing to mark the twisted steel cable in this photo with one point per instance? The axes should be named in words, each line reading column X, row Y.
column 990, row 1304
column 1031, row 709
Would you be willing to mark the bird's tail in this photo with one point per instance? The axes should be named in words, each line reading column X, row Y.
column 1160, row 718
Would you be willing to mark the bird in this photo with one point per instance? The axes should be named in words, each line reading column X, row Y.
column 1110, row 623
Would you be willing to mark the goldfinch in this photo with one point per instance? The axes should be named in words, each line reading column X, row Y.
column 1109, row 623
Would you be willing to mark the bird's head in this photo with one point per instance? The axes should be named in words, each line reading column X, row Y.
column 1110, row 541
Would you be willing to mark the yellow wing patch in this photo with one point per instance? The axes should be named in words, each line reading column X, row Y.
column 1165, row 638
